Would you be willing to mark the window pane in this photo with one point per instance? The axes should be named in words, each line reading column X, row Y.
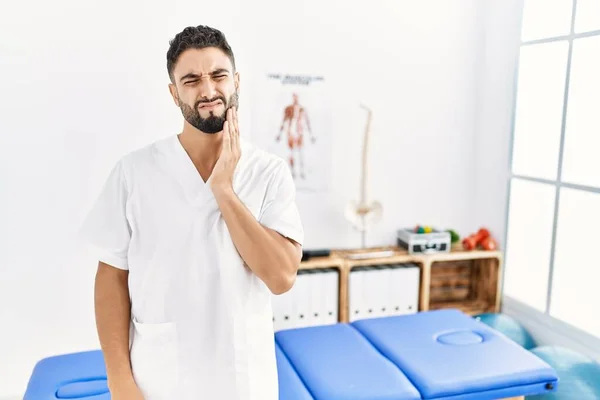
column 544, row 19
column 587, row 16
column 538, row 114
column 530, row 218
column 576, row 270
column 581, row 163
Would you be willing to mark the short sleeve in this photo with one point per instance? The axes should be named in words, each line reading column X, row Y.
column 280, row 212
column 106, row 229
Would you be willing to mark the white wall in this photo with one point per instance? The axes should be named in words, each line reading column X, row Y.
column 79, row 92
column 418, row 70
column 502, row 36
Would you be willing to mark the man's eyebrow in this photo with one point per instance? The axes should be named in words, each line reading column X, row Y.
column 219, row 71
column 189, row 75
column 195, row 75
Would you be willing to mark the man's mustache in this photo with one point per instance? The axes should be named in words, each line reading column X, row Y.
column 210, row 101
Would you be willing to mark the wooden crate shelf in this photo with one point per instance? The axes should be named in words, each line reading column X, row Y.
column 466, row 280
column 469, row 306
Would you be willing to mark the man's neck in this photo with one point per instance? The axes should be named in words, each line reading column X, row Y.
column 202, row 148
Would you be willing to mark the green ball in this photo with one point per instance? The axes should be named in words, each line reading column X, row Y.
column 454, row 237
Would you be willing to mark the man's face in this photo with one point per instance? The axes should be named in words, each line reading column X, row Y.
column 204, row 88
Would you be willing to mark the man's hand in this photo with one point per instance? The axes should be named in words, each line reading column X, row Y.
column 126, row 391
column 222, row 174
column 272, row 257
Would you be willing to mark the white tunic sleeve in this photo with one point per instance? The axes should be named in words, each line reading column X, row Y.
column 106, row 229
column 279, row 211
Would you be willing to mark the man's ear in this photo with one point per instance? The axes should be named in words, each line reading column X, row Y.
column 236, row 80
column 173, row 91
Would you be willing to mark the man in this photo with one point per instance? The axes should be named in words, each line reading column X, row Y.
column 194, row 233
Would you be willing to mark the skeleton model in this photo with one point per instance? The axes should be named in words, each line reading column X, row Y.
column 364, row 213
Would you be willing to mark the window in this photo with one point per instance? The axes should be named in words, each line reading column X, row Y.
column 553, row 221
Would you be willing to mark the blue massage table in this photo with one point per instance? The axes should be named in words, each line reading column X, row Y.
column 434, row 355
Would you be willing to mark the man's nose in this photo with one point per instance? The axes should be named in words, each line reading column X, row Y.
column 207, row 88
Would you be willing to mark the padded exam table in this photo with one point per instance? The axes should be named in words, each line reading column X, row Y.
column 443, row 354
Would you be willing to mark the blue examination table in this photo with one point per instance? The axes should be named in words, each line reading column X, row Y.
column 441, row 354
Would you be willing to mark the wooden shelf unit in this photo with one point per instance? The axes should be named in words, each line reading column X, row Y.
column 466, row 280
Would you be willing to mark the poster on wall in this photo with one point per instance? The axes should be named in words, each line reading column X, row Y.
column 292, row 118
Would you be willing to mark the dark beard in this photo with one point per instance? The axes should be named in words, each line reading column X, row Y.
column 212, row 124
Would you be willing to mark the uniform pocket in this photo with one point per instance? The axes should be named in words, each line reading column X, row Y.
column 154, row 359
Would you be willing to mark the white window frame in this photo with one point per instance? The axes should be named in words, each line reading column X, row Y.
column 515, row 305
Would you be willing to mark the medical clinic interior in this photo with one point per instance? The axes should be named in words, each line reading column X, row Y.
column 444, row 158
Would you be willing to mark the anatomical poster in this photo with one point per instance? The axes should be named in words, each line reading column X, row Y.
column 291, row 117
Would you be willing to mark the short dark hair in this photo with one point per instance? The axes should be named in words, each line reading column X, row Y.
column 196, row 37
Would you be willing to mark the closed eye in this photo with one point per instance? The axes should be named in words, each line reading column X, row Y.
column 218, row 77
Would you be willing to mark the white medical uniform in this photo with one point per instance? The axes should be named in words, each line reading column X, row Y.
column 201, row 320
